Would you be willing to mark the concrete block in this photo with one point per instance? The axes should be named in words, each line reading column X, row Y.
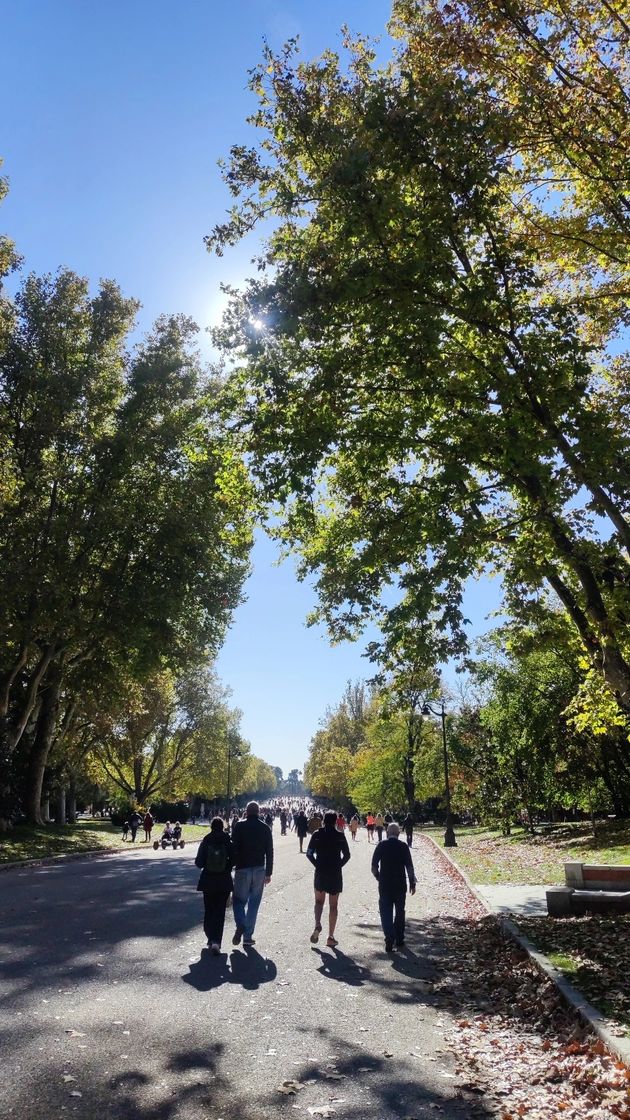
column 559, row 901
column 574, row 874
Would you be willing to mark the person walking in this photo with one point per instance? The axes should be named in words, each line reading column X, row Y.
column 408, row 827
column 354, row 826
column 283, row 822
column 391, row 866
column 135, row 820
column 215, row 858
column 315, row 821
column 328, row 851
column 252, row 845
column 369, row 824
column 147, row 824
column 301, row 827
column 379, row 825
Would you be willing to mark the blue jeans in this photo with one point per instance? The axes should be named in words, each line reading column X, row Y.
column 392, row 910
column 248, row 889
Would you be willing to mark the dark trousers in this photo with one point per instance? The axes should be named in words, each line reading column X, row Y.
column 379, row 832
column 410, row 836
column 392, row 910
column 214, row 903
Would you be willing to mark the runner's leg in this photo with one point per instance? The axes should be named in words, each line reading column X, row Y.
column 333, row 913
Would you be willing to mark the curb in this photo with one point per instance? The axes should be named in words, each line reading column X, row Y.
column 619, row 1047
column 46, row 861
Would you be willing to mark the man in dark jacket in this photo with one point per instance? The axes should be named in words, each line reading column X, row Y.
column 391, row 865
column 135, row 821
column 301, row 827
column 252, row 845
column 215, row 859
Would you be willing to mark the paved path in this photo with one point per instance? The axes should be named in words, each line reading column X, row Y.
column 113, row 1008
column 529, row 901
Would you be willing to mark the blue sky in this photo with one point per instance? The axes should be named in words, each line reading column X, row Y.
column 114, row 117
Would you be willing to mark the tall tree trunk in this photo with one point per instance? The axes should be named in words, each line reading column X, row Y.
column 60, row 815
column 42, row 742
column 12, row 732
column 139, row 791
column 72, row 799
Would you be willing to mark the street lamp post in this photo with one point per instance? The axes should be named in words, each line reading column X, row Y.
column 449, row 835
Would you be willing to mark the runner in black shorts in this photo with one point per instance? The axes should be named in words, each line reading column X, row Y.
column 328, row 851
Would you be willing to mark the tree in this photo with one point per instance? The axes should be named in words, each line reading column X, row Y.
column 557, row 69
column 259, row 778
column 531, row 743
column 125, row 527
column 167, row 738
column 422, row 394
column 335, row 744
column 406, row 686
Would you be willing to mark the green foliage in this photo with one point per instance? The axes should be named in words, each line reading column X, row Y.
column 167, row 739
column 124, row 515
column 430, row 395
column 532, row 743
column 258, row 778
column 170, row 811
column 333, row 748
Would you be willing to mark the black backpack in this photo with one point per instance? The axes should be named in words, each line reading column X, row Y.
column 216, row 857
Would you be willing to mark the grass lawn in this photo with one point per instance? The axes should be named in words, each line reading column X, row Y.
column 488, row 857
column 26, row 842
column 594, row 953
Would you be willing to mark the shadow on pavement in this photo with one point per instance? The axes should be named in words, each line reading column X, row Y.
column 339, row 966
column 66, row 935
column 248, row 969
column 384, row 1086
column 191, row 1084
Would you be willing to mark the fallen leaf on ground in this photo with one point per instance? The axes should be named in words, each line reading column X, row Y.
column 289, row 1088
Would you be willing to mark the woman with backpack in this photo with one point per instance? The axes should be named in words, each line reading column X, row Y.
column 216, row 860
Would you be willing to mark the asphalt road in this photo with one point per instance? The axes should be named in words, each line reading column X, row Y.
column 112, row 1006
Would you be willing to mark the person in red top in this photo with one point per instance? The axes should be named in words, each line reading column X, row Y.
column 341, row 822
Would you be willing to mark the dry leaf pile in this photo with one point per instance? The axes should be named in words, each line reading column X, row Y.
column 597, row 948
column 516, row 1041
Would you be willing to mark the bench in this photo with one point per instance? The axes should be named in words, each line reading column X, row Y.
column 593, row 888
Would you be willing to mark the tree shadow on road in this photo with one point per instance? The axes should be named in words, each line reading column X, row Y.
column 248, row 969
column 190, row 1083
column 67, row 935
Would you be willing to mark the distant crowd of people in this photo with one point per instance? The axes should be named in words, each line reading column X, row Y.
column 245, row 845
column 236, row 858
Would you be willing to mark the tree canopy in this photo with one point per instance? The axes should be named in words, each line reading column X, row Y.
column 425, row 384
column 125, row 517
